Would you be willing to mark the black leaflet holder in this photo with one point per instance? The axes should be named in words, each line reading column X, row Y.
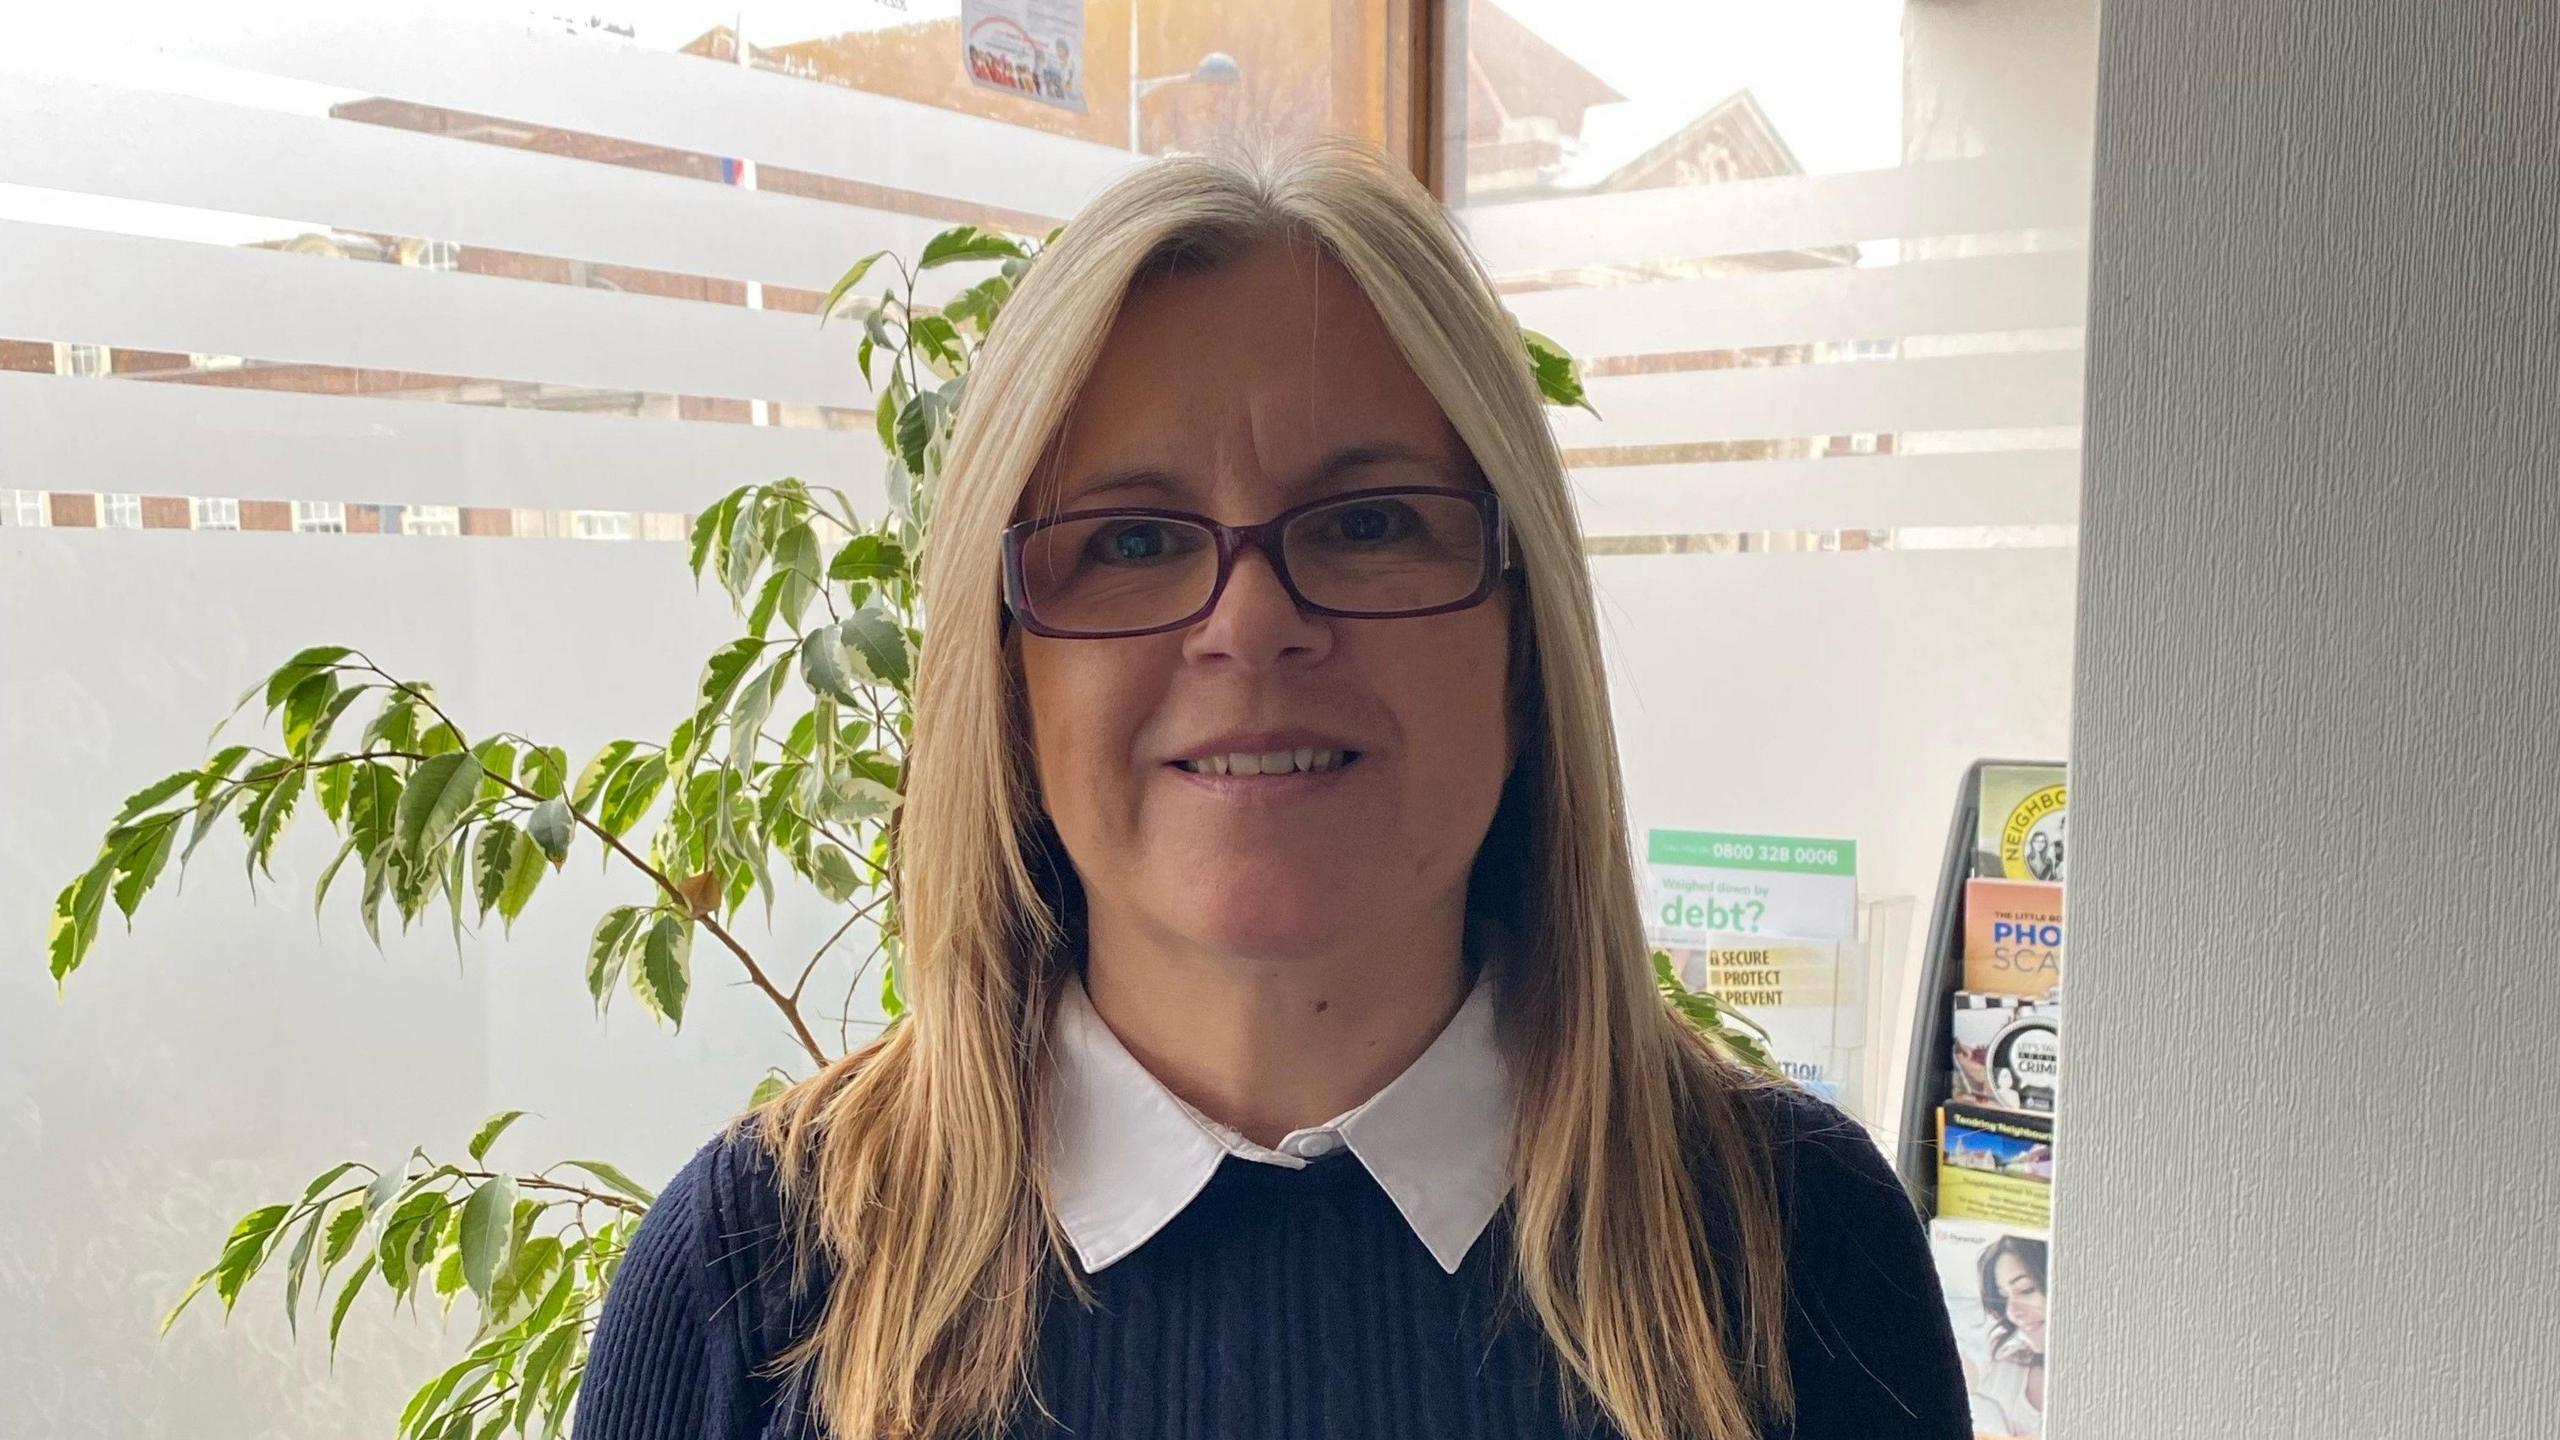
column 1929, row 1080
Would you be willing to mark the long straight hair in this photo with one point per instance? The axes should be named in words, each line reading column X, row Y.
column 915, row 1164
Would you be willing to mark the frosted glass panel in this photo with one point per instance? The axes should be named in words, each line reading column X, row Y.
column 1825, row 270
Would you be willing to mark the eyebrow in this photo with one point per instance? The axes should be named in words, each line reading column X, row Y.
column 1342, row 460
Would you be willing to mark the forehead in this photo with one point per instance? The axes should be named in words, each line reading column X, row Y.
column 1261, row 364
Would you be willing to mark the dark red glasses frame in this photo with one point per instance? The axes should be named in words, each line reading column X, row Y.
column 1234, row 540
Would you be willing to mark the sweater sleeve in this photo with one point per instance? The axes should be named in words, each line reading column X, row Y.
column 657, row 1369
column 1870, row 1345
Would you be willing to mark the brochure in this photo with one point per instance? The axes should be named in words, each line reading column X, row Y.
column 2008, row 1050
column 1995, row 1165
column 2019, row 831
column 1994, row 1280
column 2012, row 936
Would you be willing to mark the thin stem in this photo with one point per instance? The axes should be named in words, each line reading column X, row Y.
column 850, row 921
column 537, row 1182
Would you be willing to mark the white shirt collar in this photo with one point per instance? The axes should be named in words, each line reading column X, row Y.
column 1127, row 1155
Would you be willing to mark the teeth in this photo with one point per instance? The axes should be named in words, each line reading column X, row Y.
column 1306, row 759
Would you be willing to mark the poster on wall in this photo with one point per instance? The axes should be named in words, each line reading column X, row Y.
column 1033, row 48
column 1700, row 883
column 1808, row 994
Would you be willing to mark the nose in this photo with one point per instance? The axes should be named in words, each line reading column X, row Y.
column 1255, row 621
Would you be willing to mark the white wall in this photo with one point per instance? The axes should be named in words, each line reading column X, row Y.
column 2312, row 1162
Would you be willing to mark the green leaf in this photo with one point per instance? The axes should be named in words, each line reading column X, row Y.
column 832, row 871
column 524, row 874
column 591, row 780
column 549, row 827
column 884, row 415
column 265, row 820
column 344, row 1227
column 544, row 1361
column 449, row 1276
column 1559, row 376
column 713, row 524
column 891, row 1002
column 493, row 859
column 755, row 702
column 373, row 807
column 665, row 972
column 385, row 1185
column 346, row 1301
column 317, row 659
column 773, row 1084
column 843, row 287
column 968, row 242
column 608, row 948
column 488, row 1218
column 868, row 559
column 919, row 423
column 303, row 706
column 330, row 786
column 172, row 1317
column 768, row 600
column 632, row 792
column 614, row 1180
column 153, row 793
column 395, row 725
column 251, row 1240
column 937, row 342
column 440, row 790
column 546, row 771
column 978, row 305
column 141, row 863
column 872, row 635
column 295, row 1266
column 490, row 1129
column 721, row 676
column 796, row 559
column 827, row 667
column 497, row 759
column 75, row 918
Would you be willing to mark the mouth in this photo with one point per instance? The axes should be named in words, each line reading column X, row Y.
column 1271, row 764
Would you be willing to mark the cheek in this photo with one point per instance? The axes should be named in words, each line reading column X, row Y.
column 1085, row 700
column 1452, row 689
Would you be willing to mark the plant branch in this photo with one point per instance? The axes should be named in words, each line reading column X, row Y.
column 790, row 1009
column 849, row 922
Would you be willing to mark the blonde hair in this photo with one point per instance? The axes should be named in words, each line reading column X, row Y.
column 915, row 1163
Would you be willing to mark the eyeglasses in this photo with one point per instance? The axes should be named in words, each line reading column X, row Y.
column 1387, row 553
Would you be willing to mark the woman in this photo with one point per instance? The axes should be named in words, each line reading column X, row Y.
column 1282, row 1056
column 2008, row 1392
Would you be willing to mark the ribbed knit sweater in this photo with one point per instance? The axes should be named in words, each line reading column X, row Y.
column 1281, row 1305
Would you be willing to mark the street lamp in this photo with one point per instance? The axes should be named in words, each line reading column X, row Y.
column 1215, row 68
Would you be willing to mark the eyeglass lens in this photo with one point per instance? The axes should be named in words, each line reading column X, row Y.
column 1378, row 556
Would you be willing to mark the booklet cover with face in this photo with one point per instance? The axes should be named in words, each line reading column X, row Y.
column 1994, row 1279
column 2007, row 1050
column 2020, row 829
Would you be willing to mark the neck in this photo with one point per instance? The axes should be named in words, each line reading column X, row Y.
column 1270, row 1044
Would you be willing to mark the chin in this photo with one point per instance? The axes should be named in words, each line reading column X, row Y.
column 1250, row 916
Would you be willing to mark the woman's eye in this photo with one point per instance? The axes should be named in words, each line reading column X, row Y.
column 1373, row 524
column 1132, row 543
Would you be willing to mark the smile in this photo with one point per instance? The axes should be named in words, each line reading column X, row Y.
column 1303, row 760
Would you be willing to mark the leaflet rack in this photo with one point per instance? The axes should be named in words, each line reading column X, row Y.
column 1929, row 1079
